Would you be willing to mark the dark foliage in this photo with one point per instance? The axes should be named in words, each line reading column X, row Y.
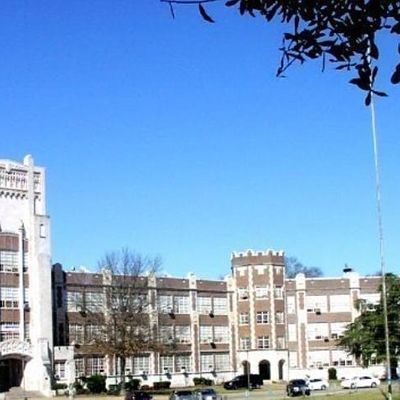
column 132, row 384
column 332, row 374
column 342, row 33
column 203, row 381
column 365, row 337
column 96, row 384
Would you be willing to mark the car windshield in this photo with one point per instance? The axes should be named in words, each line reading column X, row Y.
column 207, row 391
column 184, row 393
column 315, row 380
column 298, row 382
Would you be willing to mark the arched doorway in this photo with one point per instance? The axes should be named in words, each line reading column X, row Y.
column 246, row 367
column 11, row 372
column 281, row 363
column 264, row 368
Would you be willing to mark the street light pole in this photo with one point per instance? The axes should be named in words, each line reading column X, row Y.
column 381, row 245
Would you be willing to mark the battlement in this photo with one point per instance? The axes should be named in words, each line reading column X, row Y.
column 252, row 257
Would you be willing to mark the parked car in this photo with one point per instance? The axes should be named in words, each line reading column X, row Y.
column 243, row 381
column 318, row 384
column 364, row 381
column 206, row 394
column 182, row 395
column 138, row 395
column 298, row 387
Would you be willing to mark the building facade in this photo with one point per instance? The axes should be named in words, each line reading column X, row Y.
column 25, row 278
column 192, row 318
column 254, row 321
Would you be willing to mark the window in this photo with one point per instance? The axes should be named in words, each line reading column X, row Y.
column 279, row 317
column 220, row 305
column 245, row 343
column 181, row 304
column 263, row 342
column 318, row 359
column 292, row 332
column 167, row 363
column 9, row 330
column 75, row 332
column 79, row 367
column 204, row 305
column 340, row 303
column 74, row 301
column 94, row 366
column 166, row 333
column 316, row 304
column 244, row 318
column 337, row 329
column 206, row 334
column 262, row 317
column 206, row 362
column 59, row 369
column 278, row 292
column 317, row 331
column 140, row 364
column 280, row 342
column 27, row 332
column 243, row 293
column 291, row 304
column 8, row 297
column 165, row 304
column 221, row 334
column 8, row 261
column 221, row 362
column 341, row 358
column 182, row 334
column 371, row 298
column 92, row 332
column 261, row 292
column 94, row 301
column 182, row 363
column 214, row 362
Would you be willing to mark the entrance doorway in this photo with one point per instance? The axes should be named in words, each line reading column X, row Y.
column 264, row 368
column 280, row 369
column 11, row 372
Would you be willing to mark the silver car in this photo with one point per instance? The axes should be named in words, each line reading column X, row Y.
column 206, row 394
column 182, row 395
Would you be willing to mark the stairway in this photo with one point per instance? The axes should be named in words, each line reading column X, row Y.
column 18, row 393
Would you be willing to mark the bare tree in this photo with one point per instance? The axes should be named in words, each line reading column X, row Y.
column 124, row 328
column 294, row 267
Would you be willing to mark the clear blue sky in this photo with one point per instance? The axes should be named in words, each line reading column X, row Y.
column 174, row 137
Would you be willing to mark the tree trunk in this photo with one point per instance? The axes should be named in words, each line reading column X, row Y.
column 122, row 365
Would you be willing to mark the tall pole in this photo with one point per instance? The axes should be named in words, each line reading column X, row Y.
column 381, row 245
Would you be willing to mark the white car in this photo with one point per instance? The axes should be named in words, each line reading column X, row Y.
column 364, row 381
column 318, row 384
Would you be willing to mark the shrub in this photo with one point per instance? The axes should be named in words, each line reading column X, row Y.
column 132, row 384
column 162, row 385
column 59, row 386
column 96, row 383
column 332, row 374
column 203, row 382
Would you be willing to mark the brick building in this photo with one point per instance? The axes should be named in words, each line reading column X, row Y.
column 195, row 314
column 253, row 321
